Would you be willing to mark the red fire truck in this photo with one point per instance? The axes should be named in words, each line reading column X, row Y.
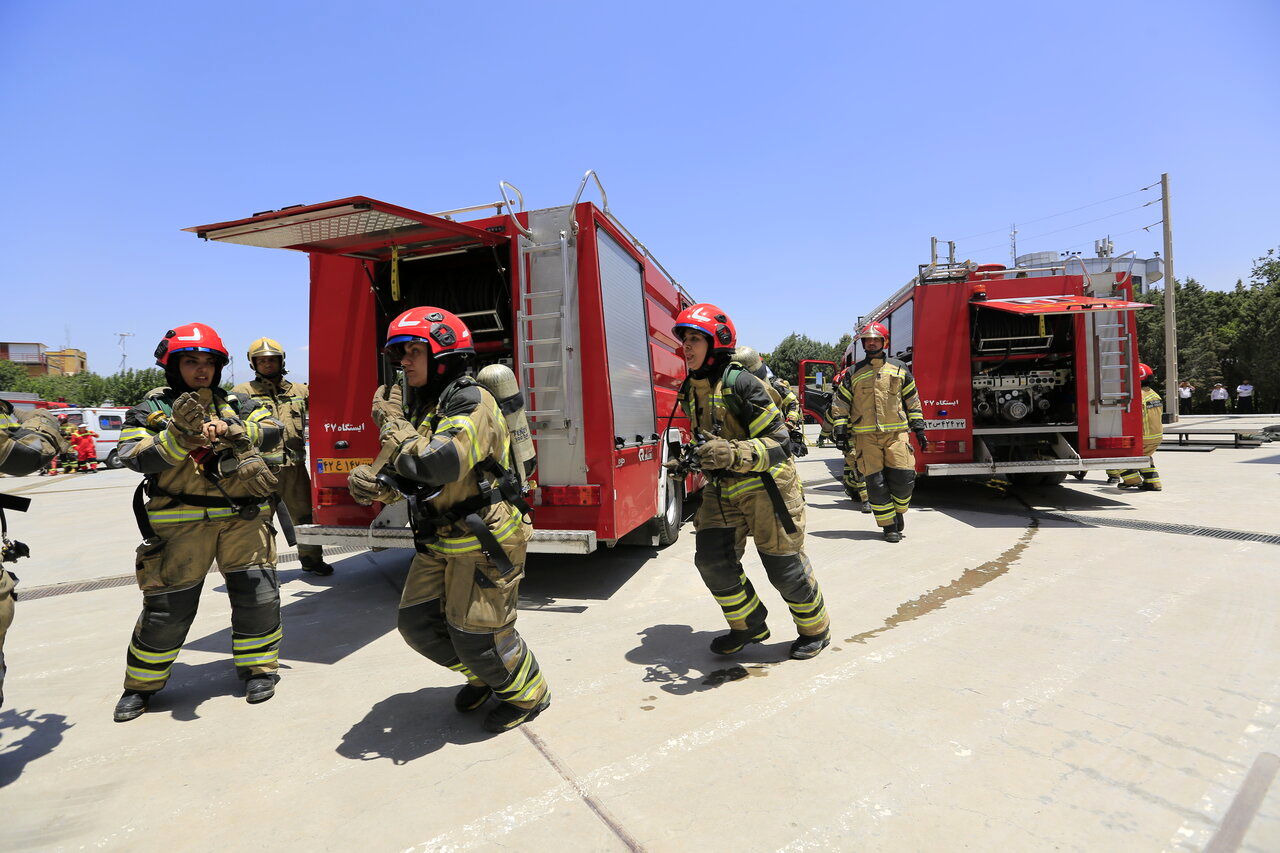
column 1028, row 372
column 565, row 296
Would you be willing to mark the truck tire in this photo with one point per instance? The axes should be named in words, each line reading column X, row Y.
column 113, row 460
column 667, row 525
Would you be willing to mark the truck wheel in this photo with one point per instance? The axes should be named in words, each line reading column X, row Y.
column 668, row 524
column 113, row 460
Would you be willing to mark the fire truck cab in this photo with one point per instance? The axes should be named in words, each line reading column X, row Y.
column 565, row 296
column 1028, row 372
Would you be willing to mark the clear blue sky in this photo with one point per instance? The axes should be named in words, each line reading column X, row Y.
column 786, row 161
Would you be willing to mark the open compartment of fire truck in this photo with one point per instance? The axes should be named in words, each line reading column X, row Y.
column 565, row 296
column 1028, row 372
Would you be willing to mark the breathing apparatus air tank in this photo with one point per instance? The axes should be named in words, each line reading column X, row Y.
column 502, row 384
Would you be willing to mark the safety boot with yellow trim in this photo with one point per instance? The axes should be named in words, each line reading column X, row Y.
column 808, row 647
column 471, row 697
column 132, row 704
column 259, row 688
column 507, row 716
column 735, row 641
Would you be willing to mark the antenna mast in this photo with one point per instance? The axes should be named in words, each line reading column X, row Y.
column 122, row 336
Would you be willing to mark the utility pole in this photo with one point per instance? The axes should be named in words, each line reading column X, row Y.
column 1170, row 314
column 1013, row 246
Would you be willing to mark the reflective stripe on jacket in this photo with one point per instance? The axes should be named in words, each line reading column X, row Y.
column 286, row 402
column 1152, row 414
column 149, row 445
column 877, row 395
column 743, row 411
column 456, row 433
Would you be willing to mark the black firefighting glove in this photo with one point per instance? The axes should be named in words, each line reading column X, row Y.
column 920, row 437
column 840, row 435
column 388, row 404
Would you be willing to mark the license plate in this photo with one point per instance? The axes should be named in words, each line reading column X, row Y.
column 339, row 466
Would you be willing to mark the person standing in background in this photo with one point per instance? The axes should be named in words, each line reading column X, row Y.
column 1218, row 399
column 1244, row 398
column 1185, row 390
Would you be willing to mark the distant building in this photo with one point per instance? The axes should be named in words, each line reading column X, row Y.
column 39, row 360
column 68, row 361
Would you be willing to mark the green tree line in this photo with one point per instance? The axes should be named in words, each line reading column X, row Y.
column 1223, row 336
column 86, row 388
column 785, row 359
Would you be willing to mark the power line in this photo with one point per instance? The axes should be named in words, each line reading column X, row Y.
column 1067, row 228
column 1120, row 234
column 1063, row 213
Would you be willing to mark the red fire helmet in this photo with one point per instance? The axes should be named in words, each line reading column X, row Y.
column 1144, row 372
column 439, row 329
column 709, row 320
column 874, row 330
column 191, row 337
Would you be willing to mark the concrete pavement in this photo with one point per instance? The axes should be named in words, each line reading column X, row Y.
column 1005, row 677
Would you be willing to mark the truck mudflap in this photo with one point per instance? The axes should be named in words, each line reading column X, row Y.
column 543, row 541
column 1034, row 466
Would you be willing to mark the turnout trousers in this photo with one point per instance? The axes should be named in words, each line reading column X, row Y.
column 459, row 610
column 855, row 486
column 295, row 490
column 6, row 619
column 171, row 569
column 734, row 508
column 887, row 463
column 1147, row 476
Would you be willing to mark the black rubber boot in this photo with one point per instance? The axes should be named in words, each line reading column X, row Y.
column 891, row 533
column 900, row 524
column 260, row 688
column 866, row 507
column 809, row 647
column 734, row 641
column 507, row 716
column 471, row 697
column 316, row 565
column 132, row 705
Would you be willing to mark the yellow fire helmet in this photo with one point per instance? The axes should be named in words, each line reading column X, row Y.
column 265, row 346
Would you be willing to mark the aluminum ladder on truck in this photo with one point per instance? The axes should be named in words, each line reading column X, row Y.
column 546, row 335
column 1112, row 343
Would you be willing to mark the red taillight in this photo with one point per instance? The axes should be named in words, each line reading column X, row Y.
column 333, row 497
column 1113, row 442
column 939, row 446
column 566, row 496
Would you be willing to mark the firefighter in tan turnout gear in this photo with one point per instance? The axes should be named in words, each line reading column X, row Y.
column 785, row 399
column 753, row 490
column 1148, row 478
column 209, row 495
column 287, row 403
column 447, row 449
column 24, row 447
column 876, row 403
